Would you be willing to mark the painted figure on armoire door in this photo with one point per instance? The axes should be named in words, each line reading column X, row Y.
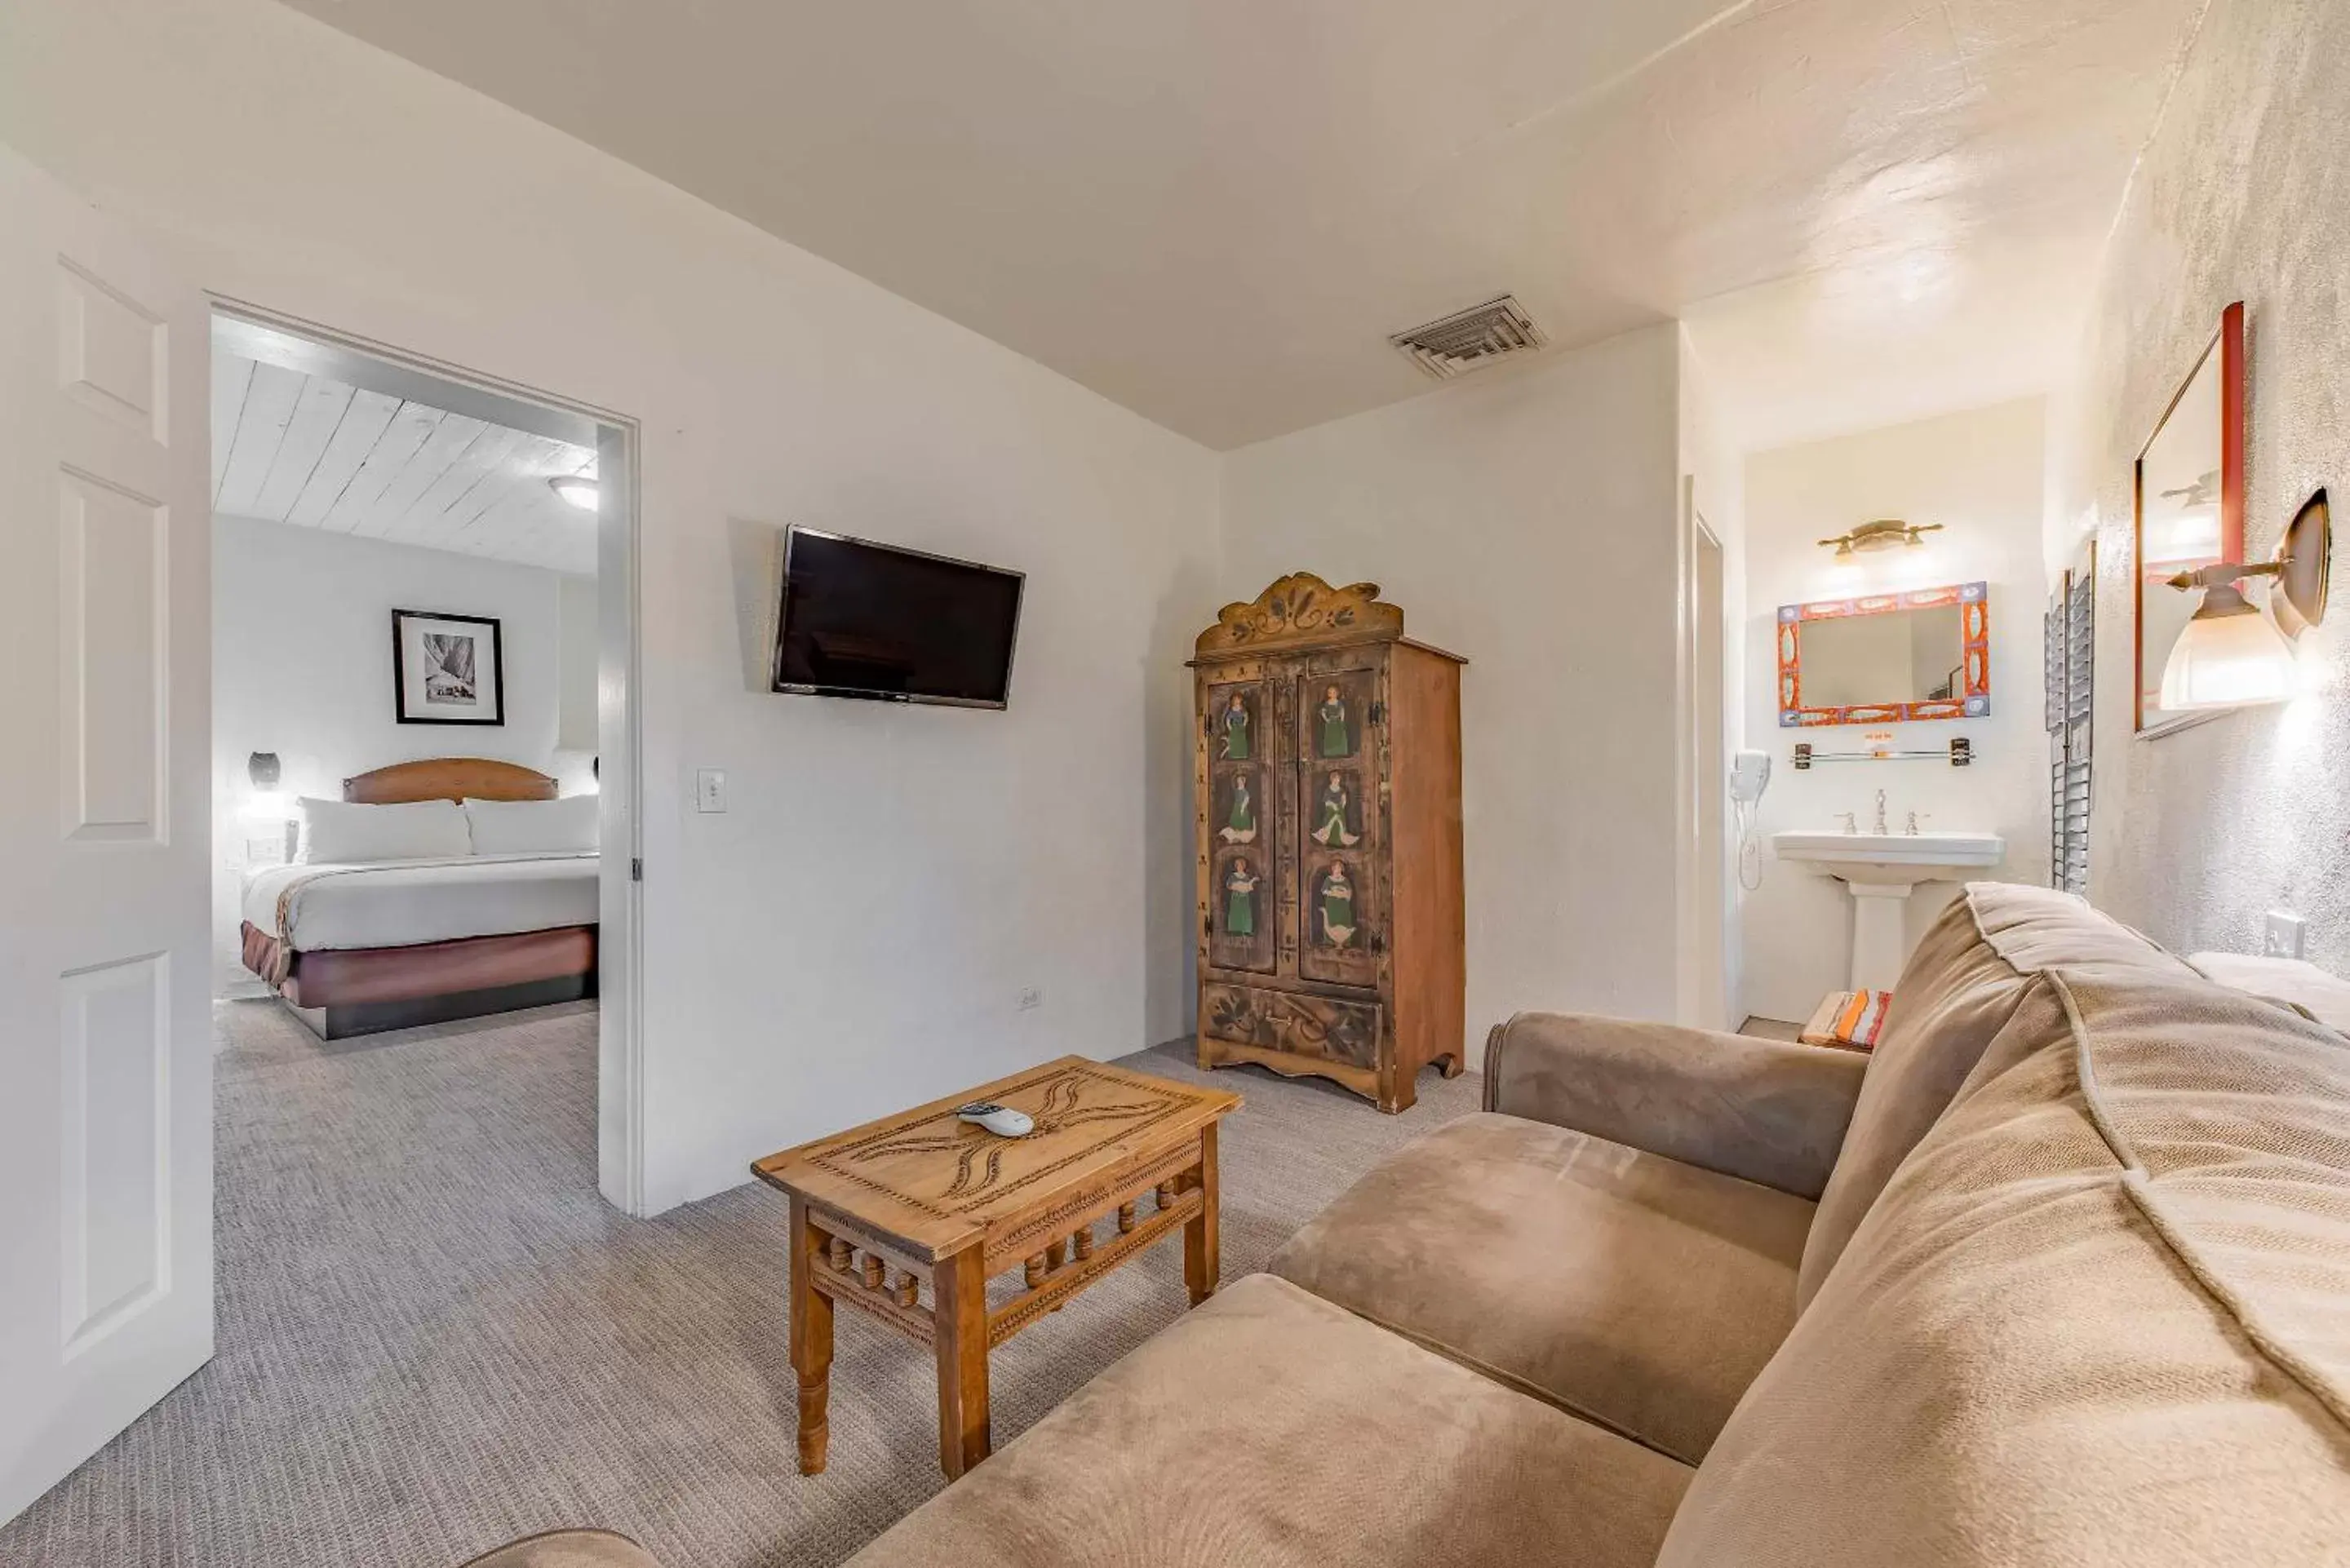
column 1239, row 823
column 1331, row 831
column 1331, row 719
column 1337, row 905
column 1239, row 901
column 1236, row 729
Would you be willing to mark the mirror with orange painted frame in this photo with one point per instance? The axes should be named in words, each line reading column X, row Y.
column 1882, row 658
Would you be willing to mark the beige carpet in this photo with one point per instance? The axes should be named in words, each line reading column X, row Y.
column 433, row 1335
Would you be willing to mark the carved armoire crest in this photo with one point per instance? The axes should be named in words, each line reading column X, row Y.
column 1328, row 788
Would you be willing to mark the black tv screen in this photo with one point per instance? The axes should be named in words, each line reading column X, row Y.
column 861, row 619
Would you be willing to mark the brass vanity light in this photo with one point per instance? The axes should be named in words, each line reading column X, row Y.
column 2230, row 655
column 1886, row 534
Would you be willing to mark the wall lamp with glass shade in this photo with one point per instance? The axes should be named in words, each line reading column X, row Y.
column 268, row 808
column 2231, row 655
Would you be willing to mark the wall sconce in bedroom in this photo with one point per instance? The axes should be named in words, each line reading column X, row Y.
column 2230, row 655
column 580, row 489
column 1888, row 533
column 268, row 806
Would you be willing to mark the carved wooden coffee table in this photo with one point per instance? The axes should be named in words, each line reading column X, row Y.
column 908, row 1218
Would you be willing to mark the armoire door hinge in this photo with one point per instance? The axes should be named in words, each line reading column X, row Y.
column 636, row 869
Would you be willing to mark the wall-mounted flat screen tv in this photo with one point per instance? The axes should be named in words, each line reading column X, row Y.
column 861, row 619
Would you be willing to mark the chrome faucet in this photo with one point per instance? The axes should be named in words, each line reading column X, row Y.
column 1849, row 825
column 1880, row 814
column 1912, row 829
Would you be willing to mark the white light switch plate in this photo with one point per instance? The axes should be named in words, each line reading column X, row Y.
column 710, row 790
column 2282, row 937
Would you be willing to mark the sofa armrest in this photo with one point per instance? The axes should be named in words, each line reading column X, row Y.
column 1759, row 1109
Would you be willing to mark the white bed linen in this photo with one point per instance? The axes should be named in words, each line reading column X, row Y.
column 400, row 903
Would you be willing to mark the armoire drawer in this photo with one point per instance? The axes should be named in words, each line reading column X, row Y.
column 1329, row 1027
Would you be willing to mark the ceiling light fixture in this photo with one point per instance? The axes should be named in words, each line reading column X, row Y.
column 580, row 489
column 1884, row 534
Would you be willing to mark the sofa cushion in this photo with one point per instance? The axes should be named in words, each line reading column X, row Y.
column 1962, row 983
column 1629, row 1288
column 2100, row 1316
column 1267, row 1426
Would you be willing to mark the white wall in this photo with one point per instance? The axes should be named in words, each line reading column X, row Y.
column 574, row 713
column 302, row 667
column 1713, row 478
column 2244, row 193
column 1525, row 519
column 1980, row 475
column 851, row 936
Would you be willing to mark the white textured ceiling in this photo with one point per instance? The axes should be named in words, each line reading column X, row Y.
column 294, row 448
column 1214, row 210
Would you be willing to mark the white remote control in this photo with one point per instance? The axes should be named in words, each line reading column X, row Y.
column 1001, row 1120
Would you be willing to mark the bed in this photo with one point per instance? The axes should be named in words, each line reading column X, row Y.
column 356, row 948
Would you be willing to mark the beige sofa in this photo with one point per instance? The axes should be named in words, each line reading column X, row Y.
column 2061, row 1275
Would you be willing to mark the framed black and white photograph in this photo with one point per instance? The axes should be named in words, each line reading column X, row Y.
column 447, row 668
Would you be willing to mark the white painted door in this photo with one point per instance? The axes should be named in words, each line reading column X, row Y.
column 106, row 1158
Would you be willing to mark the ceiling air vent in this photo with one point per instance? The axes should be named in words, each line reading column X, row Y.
column 1471, row 339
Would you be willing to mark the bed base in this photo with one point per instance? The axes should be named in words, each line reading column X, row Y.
column 343, row 1020
column 344, row 992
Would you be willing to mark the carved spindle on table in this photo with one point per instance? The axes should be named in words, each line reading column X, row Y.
column 909, row 1288
column 1033, row 1270
column 1081, row 1242
column 1166, row 1195
column 1124, row 1218
column 1056, row 1252
column 839, row 1254
column 875, row 1269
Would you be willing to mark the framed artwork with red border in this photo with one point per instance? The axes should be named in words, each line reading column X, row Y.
column 2187, row 511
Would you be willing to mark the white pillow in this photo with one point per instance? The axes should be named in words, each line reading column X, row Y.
column 2295, row 983
column 564, row 826
column 334, row 831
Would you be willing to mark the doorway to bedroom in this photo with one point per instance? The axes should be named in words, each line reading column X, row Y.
column 423, row 758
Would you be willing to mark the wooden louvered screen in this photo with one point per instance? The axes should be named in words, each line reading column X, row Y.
column 2071, row 687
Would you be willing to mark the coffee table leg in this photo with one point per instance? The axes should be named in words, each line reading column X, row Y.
column 1202, row 1263
column 811, row 1340
column 959, row 1321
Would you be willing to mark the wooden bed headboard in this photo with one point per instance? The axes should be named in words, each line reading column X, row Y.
column 448, row 778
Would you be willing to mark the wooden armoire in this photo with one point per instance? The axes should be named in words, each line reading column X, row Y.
column 1327, row 780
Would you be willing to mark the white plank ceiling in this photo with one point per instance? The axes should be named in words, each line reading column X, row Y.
column 295, row 448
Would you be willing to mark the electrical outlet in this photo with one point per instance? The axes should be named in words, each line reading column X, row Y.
column 2282, row 938
column 710, row 790
column 1029, row 997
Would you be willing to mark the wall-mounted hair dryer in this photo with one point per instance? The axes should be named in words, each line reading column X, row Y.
column 1749, row 775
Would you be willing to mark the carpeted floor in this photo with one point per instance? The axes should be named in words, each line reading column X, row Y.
column 433, row 1335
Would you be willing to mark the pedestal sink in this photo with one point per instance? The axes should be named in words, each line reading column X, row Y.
column 1878, row 869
